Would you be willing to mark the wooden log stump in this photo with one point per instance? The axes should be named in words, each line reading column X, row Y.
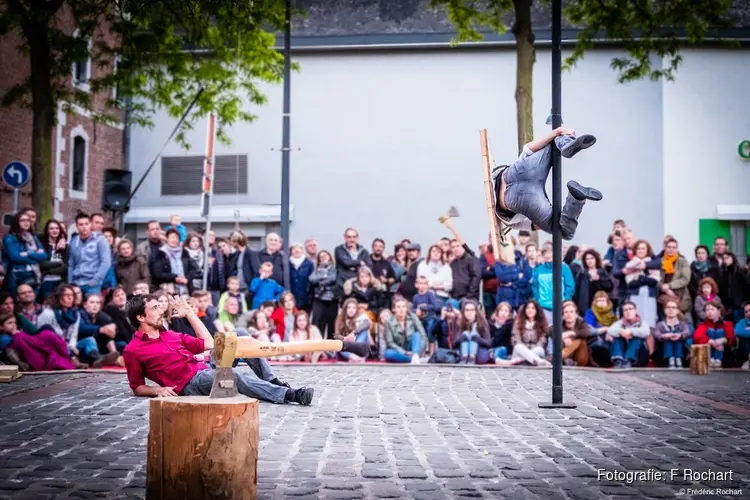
column 700, row 356
column 201, row 448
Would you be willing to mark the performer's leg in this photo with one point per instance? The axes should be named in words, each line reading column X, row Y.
column 571, row 211
column 200, row 384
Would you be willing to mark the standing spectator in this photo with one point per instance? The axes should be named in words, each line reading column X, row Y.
column 675, row 278
column 628, row 335
column 382, row 269
column 642, row 276
column 299, row 275
column 175, row 222
column 529, row 335
column 349, row 257
column 742, row 331
column 734, row 285
column 399, row 264
column 592, row 279
column 465, row 267
column 474, row 341
column 155, row 238
column 54, row 241
column 24, row 254
column 489, row 279
column 365, row 289
column 247, row 266
column 217, row 270
column 409, row 284
column 311, row 248
column 672, row 333
column 405, row 337
column 721, row 246
column 174, row 270
column 275, row 255
column 130, row 268
column 323, row 284
column 532, row 258
column 512, row 280
column 264, row 287
column 716, row 332
column 438, row 272
column 541, row 284
column 110, row 280
column 576, row 334
column 620, row 258
column 701, row 268
column 90, row 257
column 195, row 251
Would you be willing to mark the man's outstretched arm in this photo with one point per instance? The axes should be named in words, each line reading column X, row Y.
column 542, row 141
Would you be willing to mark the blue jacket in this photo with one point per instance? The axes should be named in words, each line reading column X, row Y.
column 541, row 284
column 180, row 229
column 300, row 281
column 430, row 302
column 518, row 275
column 110, row 280
column 742, row 329
column 264, row 290
column 90, row 328
column 16, row 264
column 89, row 261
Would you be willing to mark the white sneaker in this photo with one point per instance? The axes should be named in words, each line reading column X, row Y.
column 746, row 365
column 415, row 359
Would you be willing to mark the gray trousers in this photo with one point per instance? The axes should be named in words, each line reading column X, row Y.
column 254, row 385
column 525, row 191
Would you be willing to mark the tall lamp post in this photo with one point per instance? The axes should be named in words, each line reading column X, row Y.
column 285, row 141
column 556, row 115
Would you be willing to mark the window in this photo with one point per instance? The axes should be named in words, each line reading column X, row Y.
column 79, row 162
column 181, row 175
column 82, row 69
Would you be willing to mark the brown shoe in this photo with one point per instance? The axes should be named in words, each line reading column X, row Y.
column 78, row 365
column 107, row 360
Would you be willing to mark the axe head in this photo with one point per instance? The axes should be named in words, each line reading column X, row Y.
column 452, row 212
column 224, row 384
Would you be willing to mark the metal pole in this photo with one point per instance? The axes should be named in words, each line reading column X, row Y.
column 208, row 192
column 557, row 375
column 16, row 200
column 285, row 141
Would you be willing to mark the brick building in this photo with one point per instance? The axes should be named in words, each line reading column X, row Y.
column 81, row 148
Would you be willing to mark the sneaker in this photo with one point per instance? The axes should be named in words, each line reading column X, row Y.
column 627, row 364
column 569, row 362
column 415, row 359
column 543, row 362
column 672, row 363
column 584, row 141
column 583, row 193
column 678, row 362
column 746, row 365
column 303, row 396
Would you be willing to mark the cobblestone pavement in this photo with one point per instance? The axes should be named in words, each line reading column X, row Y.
column 403, row 432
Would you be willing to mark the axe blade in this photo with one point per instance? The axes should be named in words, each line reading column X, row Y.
column 224, row 385
column 453, row 211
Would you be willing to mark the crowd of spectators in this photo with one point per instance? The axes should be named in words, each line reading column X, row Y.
column 63, row 303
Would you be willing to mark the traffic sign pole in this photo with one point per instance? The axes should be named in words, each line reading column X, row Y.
column 16, row 200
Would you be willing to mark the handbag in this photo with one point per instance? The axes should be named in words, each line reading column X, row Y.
column 443, row 356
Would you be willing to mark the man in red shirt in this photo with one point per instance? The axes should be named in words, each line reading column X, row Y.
column 175, row 361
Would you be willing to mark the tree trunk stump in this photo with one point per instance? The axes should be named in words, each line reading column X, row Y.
column 700, row 355
column 201, row 448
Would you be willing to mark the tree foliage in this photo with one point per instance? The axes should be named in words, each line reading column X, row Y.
column 644, row 28
column 163, row 52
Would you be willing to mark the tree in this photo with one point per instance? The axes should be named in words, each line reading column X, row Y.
column 644, row 28
column 157, row 53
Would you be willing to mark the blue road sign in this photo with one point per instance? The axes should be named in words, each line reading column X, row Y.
column 16, row 174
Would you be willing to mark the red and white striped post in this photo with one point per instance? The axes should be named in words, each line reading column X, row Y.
column 208, row 191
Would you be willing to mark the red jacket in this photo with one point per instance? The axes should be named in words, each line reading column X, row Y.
column 701, row 333
column 280, row 321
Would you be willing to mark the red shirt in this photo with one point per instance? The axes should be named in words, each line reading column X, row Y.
column 169, row 360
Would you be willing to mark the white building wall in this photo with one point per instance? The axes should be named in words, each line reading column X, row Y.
column 390, row 140
column 705, row 117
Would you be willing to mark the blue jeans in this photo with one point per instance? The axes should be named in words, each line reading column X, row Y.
column 525, row 191
column 415, row 346
column 714, row 334
column 625, row 349
column 88, row 350
column 429, row 325
column 363, row 336
column 674, row 349
column 254, row 385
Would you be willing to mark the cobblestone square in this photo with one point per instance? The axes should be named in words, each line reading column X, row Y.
column 420, row 432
